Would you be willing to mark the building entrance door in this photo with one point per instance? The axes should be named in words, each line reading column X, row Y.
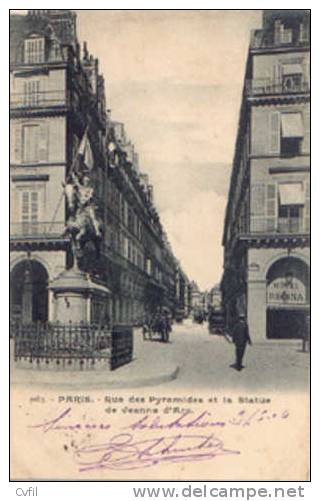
column 286, row 324
column 288, row 299
column 28, row 292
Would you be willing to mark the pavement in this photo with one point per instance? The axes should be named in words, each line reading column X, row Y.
column 192, row 359
column 205, row 359
column 150, row 366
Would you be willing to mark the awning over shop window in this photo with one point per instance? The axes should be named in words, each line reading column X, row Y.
column 291, row 69
column 291, row 194
column 291, row 125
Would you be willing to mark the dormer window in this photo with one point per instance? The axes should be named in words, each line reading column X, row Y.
column 281, row 34
column 304, row 32
column 34, row 50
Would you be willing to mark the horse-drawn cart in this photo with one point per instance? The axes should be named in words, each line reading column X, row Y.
column 157, row 330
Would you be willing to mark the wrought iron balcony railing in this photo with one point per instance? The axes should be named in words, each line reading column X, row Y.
column 37, row 99
column 37, row 230
column 267, row 86
column 262, row 39
column 281, row 226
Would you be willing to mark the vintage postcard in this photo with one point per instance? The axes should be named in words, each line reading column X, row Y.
column 159, row 244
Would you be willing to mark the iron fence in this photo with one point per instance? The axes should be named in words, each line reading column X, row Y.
column 83, row 345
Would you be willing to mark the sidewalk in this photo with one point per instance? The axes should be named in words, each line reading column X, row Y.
column 152, row 364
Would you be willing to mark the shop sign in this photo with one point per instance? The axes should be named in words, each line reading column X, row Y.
column 286, row 290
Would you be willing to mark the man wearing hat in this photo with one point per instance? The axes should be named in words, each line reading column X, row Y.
column 240, row 336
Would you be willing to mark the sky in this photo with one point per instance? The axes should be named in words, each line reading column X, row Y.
column 175, row 79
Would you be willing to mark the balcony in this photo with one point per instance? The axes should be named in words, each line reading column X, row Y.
column 37, row 230
column 265, row 39
column 38, row 100
column 296, row 84
column 283, row 226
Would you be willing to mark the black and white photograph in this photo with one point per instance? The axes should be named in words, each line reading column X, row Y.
column 160, row 244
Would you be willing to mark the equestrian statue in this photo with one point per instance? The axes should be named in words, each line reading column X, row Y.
column 83, row 223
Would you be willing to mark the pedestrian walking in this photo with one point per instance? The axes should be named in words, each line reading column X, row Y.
column 241, row 337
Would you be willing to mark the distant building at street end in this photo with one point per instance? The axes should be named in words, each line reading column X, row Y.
column 215, row 297
column 267, row 222
column 196, row 296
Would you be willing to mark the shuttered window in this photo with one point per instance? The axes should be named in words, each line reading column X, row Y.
column 306, row 139
column 35, row 143
column 263, row 208
column 30, row 137
column 307, row 207
column 271, row 208
column 274, row 126
column 258, row 199
column 29, row 211
column 16, row 143
column 257, row 207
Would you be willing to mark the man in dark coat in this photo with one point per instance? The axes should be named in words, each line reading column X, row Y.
column 240, row 336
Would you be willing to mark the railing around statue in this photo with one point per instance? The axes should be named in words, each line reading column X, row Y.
column 72, row 346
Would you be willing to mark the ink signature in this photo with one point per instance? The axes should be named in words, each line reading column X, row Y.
column 124, row 452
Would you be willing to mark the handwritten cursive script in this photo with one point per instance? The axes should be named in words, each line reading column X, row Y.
column 58, row 423
column 185, row 421
column 124, row 452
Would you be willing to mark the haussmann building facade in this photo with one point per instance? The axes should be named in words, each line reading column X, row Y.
column 57, row 109
column 267, row 223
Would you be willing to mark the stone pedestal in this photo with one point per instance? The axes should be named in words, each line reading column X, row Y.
column 77, row 298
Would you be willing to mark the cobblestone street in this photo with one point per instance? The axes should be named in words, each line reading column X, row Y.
column 205, row 360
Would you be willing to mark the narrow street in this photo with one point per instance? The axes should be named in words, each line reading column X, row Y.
column 204, row 361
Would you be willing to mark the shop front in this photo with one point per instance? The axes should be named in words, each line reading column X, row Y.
column 288, row 299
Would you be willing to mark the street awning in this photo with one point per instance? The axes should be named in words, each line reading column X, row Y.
column 291, row 194
column 291, row 125
column 291, row 69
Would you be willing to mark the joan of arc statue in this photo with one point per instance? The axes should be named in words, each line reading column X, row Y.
column 83, row 223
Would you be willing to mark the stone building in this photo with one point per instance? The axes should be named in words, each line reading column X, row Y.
column 57, row 118
column 196, row 296
column 267, row 221
column 182, row 292
column 214, row 297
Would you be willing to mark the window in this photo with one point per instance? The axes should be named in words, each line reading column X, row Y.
column 286, row 36
column 291, row 201
column 292, row 80
column 30, row 143
column 291, row 134
column 282, row 35
column 289, row 218
column 31, row 94
column 29, row 211
column 34, row 50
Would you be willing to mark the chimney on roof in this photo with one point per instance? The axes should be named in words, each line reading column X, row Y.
column 85, row 51
column 150, row 193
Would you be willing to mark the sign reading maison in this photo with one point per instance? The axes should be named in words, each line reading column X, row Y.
column 286, row 290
